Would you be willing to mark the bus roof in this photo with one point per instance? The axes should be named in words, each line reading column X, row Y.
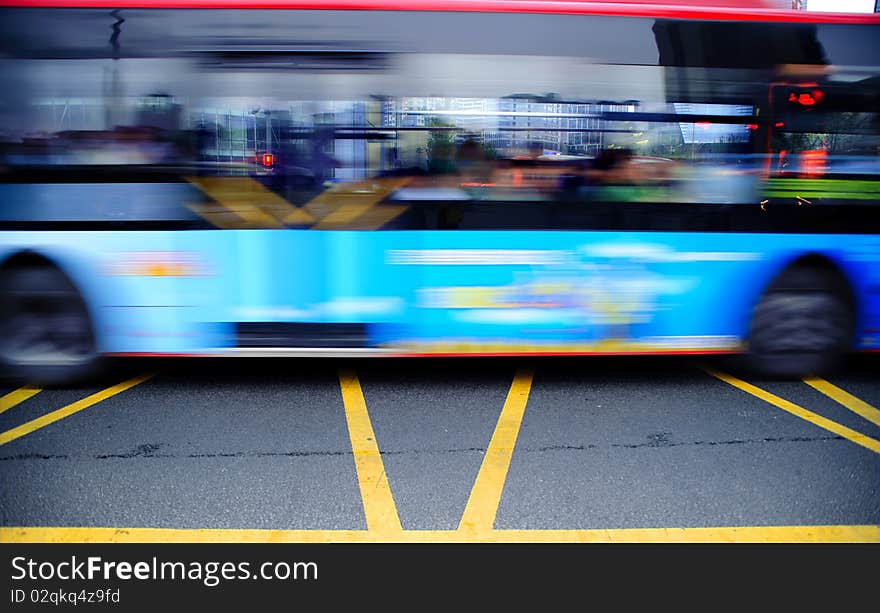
column 724, row 10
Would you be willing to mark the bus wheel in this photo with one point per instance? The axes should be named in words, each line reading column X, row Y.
column 46, row 334
column 803, row 324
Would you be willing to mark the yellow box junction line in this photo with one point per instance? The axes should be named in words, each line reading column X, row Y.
column 856, row 405
column 16, row 397
column 70, row 409
column 383, row 523
column 379, row 508
column 732, row 534
column 796, row 410
column 482, row 505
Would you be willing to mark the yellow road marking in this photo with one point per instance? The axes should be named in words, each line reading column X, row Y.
column 856, row 405
column 785, row 405
column 79, row 405
column 17, row 397
column 383, row 524
column 482, row 505
column 739, row 534
column 379, row 508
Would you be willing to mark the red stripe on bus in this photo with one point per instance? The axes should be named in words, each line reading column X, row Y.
column 150, row 354
column 622, row 9
column 522, row 354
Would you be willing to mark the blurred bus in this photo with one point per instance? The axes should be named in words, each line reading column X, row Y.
column 455, row 178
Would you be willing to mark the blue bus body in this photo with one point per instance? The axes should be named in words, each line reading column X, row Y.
column 487, row 179
column 437, row 292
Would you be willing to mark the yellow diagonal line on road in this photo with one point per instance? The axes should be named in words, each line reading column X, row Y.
column 814, row 418
column 379, row 508
column 70, row 409
column 482, row 505
column 17, row 397
column 856, row 405
column 734, row 534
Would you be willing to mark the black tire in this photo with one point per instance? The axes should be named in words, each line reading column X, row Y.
column 46, row 333
column 804, row 324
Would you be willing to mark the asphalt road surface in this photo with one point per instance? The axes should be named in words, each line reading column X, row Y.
column 574, row 449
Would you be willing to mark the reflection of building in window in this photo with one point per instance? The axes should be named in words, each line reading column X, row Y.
column 510, row 126
column 60, row 114
column 565, row 127
column 159, row 111
column 237, row 133
column 707, row 132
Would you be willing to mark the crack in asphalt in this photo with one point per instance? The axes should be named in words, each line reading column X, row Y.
column 140, row 453
column 664, row 442
column 434, row 451
column 655, row 441
column 34, row 456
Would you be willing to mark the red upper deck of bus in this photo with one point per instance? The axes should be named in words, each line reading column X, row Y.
column 724, row 10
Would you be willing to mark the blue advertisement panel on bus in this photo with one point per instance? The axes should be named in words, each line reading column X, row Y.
column 441, row 292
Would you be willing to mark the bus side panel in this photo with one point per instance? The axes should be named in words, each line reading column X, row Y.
column 597, row 291
column 440, row 292
column 859, row 258
column 142, row 289
column 572, row 291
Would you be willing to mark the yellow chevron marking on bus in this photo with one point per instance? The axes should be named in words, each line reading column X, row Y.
column 482, row 505
column 16, row 397
column 252, row 205
column 70, row 409
column 379, row 508
column 737, row 534
column 298, row 217
column 344, row 214
column 343, row 204
column 217, row 215
column 814, row 418
column 376, row 217
column 242, row 202
column 856, row 405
